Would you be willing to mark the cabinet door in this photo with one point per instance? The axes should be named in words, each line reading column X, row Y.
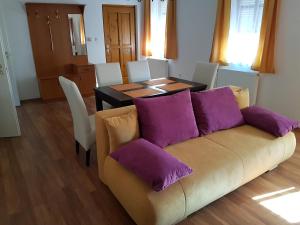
column 87, row 83
column 50, row 89
column 41, row 33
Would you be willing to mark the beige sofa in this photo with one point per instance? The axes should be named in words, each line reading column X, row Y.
column 221, row 162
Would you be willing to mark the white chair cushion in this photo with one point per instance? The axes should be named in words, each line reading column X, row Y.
column 206, row 73
column 108, row 74
column 83, row 131
column 138, row 71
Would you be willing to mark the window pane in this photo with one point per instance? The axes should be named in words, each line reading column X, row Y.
column 245, row 26
column 158, row 25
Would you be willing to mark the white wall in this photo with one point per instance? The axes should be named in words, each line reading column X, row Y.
column 20, row 47
column 195, row 20
column 281, row 92
column 21, row 51
column 195, row 27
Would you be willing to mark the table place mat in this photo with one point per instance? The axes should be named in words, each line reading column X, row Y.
column 125, row 87
column 159, row 81
column 176, row 86
column 142, row 92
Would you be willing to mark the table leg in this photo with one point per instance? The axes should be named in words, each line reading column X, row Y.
column 99, row 104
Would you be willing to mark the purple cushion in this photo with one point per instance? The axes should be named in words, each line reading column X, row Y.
column 167, row 120
column 151, row 163
column 216, row 110
column 269, row 121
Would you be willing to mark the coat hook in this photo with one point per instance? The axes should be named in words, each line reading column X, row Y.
column 36, row 13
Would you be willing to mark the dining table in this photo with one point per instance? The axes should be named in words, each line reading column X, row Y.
column 120, row 95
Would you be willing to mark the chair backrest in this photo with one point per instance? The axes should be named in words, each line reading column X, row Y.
column 81, row 123
column 138, row 71
column 206, row 73
column 108, row 74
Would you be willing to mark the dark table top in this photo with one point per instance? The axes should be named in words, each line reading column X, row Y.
column 109, row 94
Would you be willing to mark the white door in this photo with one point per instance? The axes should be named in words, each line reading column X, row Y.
column 9, row 123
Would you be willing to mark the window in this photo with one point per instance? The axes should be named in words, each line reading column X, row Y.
column 158, row 26
column 245, row 23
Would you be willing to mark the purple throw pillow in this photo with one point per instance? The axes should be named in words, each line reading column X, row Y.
column 269, row 121
column 216, row 110
column 151, row 163
column 167, row 120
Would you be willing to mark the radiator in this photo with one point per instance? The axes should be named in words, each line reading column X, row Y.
column 158, row 68
column 246, row 79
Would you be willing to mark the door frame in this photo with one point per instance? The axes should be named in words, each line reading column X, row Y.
column 137, row 30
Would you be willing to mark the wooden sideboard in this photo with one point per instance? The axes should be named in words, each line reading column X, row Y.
column 49, row 27
column 82, row 75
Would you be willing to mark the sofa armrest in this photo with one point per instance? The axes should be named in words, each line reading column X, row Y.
column 102, row 139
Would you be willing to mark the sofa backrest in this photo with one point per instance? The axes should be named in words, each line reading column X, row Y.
column 102, row 139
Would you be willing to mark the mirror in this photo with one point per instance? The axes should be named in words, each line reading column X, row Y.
column 77, row 34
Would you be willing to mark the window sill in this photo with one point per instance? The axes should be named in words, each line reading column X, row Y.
column 157, row 58
column 239, row 69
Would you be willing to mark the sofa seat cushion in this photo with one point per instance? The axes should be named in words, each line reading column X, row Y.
column 258, row 150
column 216, row 171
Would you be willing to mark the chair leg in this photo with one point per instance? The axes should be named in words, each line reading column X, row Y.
column 77, row 147
column 87, row 157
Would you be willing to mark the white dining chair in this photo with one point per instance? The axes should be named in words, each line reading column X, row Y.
column 138, row 71
column 108, row 74
column 83, row 124
column 206, row 73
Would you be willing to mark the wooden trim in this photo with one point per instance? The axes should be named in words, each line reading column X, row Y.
column 33, row 100
column 116, row 5
column 60, row 4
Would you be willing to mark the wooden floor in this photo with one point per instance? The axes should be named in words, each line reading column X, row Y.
column 42, row 181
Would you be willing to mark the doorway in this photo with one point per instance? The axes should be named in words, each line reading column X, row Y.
column 119, row 35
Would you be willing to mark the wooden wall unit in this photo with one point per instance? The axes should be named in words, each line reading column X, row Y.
column 52, row 49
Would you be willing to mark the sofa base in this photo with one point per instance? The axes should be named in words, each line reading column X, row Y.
column 221, row 162
column 273, row 168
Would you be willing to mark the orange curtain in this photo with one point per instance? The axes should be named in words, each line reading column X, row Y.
column 146, row 37
column 221, row 33
column 264, row 61
column 171, row 31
